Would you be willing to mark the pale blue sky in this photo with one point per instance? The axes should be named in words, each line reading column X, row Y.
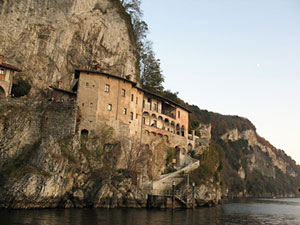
column 237, row 57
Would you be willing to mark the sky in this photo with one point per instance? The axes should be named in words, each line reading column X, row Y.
column 234, row 57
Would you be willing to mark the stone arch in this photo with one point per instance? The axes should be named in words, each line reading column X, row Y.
column 146, row 118
column 84, row 134
column 173, row 127
column 166, row 137
column 183, row 131
column 167, row 124
column 160, row 135
column 178, row 129
column 147, row 132
column 153, row 133
column 3, row 93
column 153, row 120
column 160, row 122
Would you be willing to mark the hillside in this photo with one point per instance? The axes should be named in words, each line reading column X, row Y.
column 251, row 166
column 46, row 161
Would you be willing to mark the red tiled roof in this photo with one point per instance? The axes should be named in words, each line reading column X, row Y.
column 8, row 66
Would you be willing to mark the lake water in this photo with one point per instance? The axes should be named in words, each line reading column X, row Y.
column 255, row 211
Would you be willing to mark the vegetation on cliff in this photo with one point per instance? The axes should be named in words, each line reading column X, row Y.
column 248, row 169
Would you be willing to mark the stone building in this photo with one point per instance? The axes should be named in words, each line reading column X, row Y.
column 7, row 72
column 130, row 110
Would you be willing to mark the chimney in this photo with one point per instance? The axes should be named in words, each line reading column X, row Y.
column 1, row 59
column 129, row 77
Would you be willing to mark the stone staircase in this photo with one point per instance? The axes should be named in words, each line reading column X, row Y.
column 165, row 182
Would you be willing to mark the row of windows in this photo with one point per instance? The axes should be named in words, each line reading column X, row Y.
column 124, row 111
column 109, row 107
column 123, row 93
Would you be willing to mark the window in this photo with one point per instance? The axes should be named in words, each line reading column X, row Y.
column 123, row 92
column 155, row 107
column 178, row 114
column 132, row 97
column 136, row 116
column 91, row 105
column 149, row 100
column 82, row 104
column 124, row 111
column 137, row 100
column 109, row 107
column 144, row 120
column 1, row 72
column 106, row 88
column 143, row 103
column 87, row 84
column 131, row 115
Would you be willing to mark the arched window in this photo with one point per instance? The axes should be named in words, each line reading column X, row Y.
column 146, row 118
column 177, row 129
column 182, row 131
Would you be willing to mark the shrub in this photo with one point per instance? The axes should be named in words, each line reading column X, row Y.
column 21, row 88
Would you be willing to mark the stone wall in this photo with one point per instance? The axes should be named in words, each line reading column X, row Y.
column 25, row 121
column 58, row 119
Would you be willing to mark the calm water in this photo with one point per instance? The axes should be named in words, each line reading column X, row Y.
column 259, row 211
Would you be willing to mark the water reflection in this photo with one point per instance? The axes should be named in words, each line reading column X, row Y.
column 262, row 211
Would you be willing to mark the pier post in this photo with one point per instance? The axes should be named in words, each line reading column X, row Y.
column 193, row 195
column 173, row 194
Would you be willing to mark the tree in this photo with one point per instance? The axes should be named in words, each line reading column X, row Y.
column 150, row 71
column 151, row 74
column 21, row 88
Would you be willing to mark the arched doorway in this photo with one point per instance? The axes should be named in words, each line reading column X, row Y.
column 2, row 93
column 84, row 134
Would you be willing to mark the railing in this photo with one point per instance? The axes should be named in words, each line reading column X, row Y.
column 167, row 192
column 171, row 115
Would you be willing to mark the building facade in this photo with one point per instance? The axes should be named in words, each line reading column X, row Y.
column 130, row 110
column 7, row 72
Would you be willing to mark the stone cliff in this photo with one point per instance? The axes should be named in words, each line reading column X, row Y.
column 49, row 39
column 44, row 163
column 250, row 165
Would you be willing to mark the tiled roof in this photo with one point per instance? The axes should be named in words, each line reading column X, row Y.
column 8, row 66
column 62, row 90
column 77, row 71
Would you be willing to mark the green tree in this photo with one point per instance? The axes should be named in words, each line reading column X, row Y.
column 151, row 74
column 149, row 65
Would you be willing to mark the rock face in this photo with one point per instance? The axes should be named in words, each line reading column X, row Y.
column 46, row 168
column 249, row 165
column 49, row 39
column 257, row 168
